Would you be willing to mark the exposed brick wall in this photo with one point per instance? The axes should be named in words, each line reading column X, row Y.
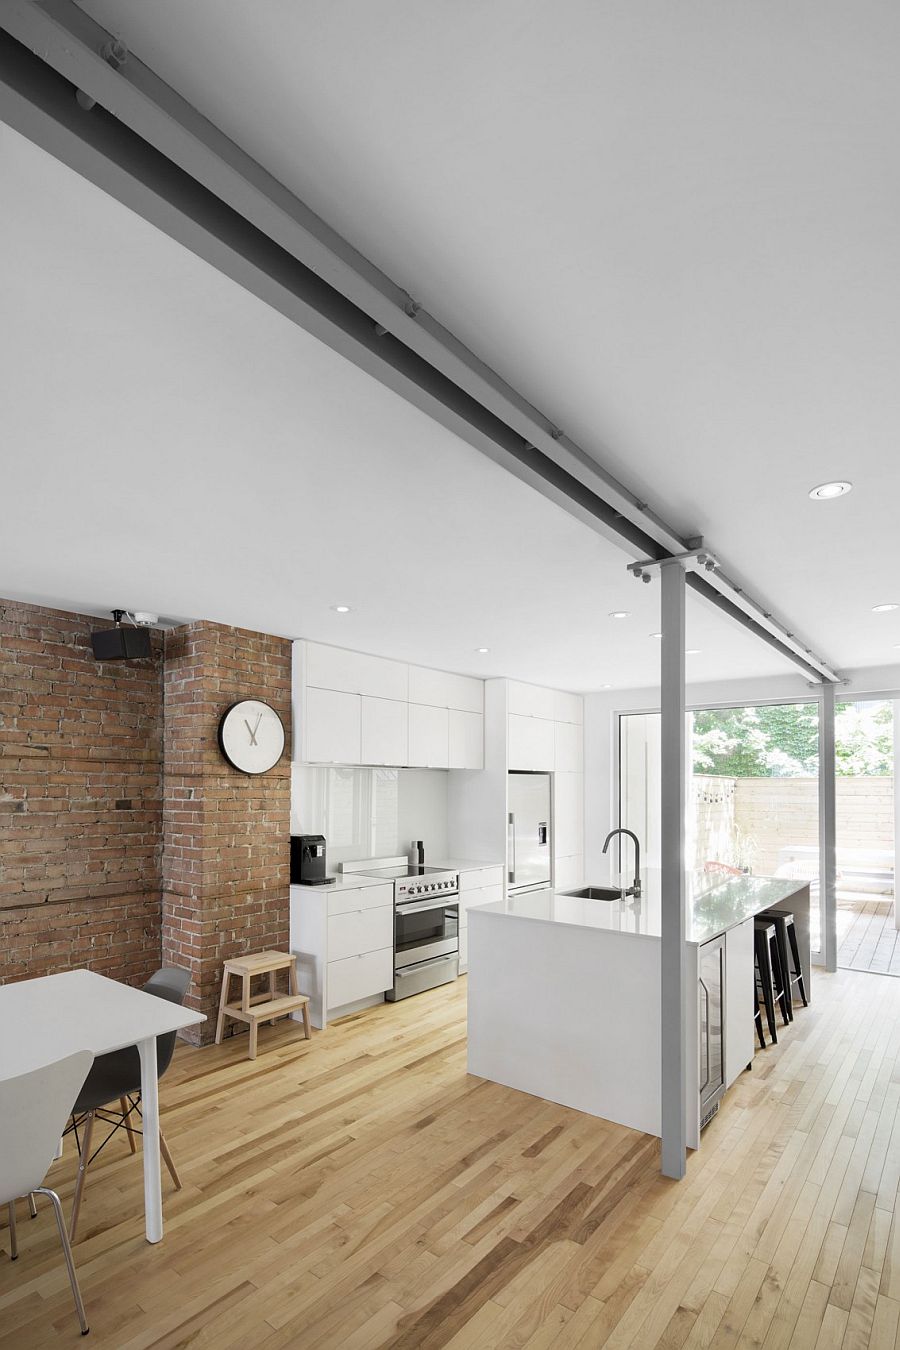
column 80, row 800
column 226, row 860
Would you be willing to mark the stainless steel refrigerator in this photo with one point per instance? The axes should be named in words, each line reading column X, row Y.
column 530, row 830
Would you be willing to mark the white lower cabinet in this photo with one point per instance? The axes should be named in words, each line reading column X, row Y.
column 466, row 750
column 332, row 732
column 359, row 977
column 384, row 735
column 429, row 736
column 356, row 932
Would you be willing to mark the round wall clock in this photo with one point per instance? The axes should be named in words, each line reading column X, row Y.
column 251, row 736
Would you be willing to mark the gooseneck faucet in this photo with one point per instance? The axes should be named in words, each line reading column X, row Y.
column 634, row 890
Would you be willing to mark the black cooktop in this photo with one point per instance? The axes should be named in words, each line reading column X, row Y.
column 405, row 870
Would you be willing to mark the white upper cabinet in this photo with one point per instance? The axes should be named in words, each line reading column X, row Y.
column 384, row 731
column 569, row 747
column 530, row 700
column 355, row 672
column 532, row 743
column 332, row 727
column 429, row 737
column 440, row 689
column 351, row 708
column 568, row 815
column 568, row 707
column 466, row 740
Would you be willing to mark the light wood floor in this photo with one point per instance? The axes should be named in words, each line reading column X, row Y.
column 364, row 1192
column 866, row 935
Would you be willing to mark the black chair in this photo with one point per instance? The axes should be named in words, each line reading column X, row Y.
column 789, row 951
column 770, row 980
column 117, row 1077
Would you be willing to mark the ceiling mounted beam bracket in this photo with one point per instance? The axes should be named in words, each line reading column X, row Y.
column 693, row 560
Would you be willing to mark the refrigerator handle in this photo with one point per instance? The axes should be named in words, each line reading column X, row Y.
column 511, row 847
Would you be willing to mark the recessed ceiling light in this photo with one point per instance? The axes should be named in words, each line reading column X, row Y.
column 692, row 651
column 620, row 614
column 659, row 635
column 606, row 686
column 826, row 491
column 341, row 609
column 482, row 651
column 883, row 609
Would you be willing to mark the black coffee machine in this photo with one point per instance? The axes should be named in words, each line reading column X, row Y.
column 308, row 860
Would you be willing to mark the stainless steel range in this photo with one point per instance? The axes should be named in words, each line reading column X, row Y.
column 426, row 923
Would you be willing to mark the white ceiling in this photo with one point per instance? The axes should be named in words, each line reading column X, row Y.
column 673, row 227
column 172, row 444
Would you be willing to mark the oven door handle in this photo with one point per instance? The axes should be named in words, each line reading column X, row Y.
column 420, row 906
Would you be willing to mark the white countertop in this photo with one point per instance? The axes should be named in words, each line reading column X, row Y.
column 715, row 905
column 463, row 864
column 343, row 881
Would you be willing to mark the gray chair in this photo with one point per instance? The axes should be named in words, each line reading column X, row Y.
column 116, row 1077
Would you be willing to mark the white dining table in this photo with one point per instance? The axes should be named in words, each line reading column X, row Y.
column 54, row 1015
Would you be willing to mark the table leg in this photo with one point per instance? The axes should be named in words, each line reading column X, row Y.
column 150, row 1112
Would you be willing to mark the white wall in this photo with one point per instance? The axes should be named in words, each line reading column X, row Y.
column 600, row 750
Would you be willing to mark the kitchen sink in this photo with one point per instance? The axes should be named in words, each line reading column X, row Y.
column 596, row 893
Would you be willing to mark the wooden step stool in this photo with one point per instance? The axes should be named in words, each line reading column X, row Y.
column 266, row 1007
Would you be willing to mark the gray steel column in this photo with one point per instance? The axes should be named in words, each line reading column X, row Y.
column 827, row 828
column 672, row 833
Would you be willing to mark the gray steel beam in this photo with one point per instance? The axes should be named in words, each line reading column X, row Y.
column 827, row 828
column 673, row 952
column 70, row 42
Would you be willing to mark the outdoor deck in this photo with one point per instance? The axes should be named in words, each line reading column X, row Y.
column 866, row 936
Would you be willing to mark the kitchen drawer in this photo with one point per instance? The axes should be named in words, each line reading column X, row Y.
column 366, row 897
column 359, row 931
column 485, row 895
column 481, row 876
column 359, row 977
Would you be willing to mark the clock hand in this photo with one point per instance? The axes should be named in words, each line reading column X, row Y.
column 252, row 731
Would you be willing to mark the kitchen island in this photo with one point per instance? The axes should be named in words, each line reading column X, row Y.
column 564, row 992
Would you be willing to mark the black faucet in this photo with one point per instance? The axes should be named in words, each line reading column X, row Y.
column 634, row 890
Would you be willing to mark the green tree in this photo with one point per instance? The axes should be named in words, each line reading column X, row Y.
column 783, row 741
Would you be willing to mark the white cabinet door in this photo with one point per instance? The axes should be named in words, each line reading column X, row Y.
column 429, row 737
column 568, row 873
column 384, row 734
column 531, row 743
column 568, row 814
column 440, row 689
column 466, row 740
column 530, row 700
column 569, row 747
column 332, row 727
column 739, row 985
column 355, row 672
column 568, row 707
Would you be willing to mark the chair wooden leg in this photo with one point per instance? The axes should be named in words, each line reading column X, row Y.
column 125, row 1107
column 83, row 1160
column 13, row 1236
column 223, row 999
column 167, row 1159
column 253, row 1029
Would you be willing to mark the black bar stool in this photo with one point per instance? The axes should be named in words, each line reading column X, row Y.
column 789, row 951
column 768, row 971
column 757, row 1018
